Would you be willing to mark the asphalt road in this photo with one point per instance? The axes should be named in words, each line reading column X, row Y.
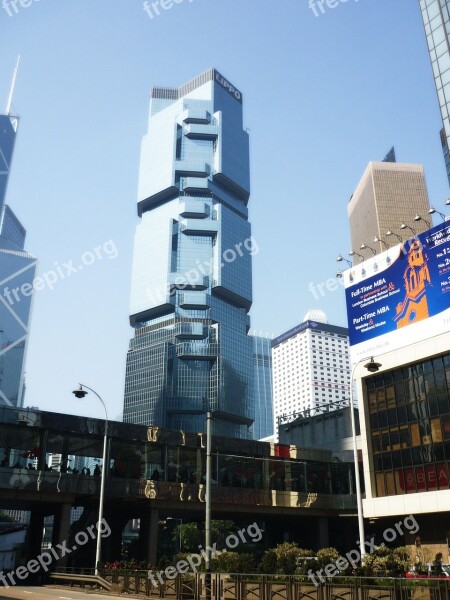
column 48, row 593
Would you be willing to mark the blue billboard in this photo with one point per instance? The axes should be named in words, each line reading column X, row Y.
column 400, row 287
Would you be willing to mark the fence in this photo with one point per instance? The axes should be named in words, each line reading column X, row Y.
column 220, row 586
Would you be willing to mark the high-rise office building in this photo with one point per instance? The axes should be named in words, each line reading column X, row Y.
column 17, row 270
column 311, row 367
column 436, row 20
column 262, row 387
column 191, row 287
column 390, row 197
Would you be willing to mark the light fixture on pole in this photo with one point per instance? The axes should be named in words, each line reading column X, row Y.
column 81, row 393
column 404, row 226
column 353, row 253
column 418, row 218
column 372, row 367
column 447, row 202
column 339, row 274
column 365, row 247
column 179, row 530
column 377, row 240
column 389, row 232
column 433, row 210
column 340, row 258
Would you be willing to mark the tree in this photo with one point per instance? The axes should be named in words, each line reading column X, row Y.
column 233, row 562
column 285, row 559
column 186, row 537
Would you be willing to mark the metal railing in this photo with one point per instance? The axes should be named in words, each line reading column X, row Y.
column 224, row 586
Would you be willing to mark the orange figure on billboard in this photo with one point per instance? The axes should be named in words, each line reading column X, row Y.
column 414, row 306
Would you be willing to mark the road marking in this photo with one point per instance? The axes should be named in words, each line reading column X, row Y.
column 25, row 592
column 64, row 597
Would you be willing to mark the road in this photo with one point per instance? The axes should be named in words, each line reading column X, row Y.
column 49, row 593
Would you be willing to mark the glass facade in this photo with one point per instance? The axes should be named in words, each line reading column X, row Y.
column 436, row 19
column 17, row 271
column 409, row 410
column 262, row 388
column 191, row 287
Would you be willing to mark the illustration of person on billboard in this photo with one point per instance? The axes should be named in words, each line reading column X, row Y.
column 416, row 277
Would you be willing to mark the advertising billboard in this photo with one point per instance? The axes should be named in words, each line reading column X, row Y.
column 400, row 296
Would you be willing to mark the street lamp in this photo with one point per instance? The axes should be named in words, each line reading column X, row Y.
column 209, row 419
column 418, row 218
column 364, row 247
column 377, row 240
column 181, row 523
column 389, row 232
column 403, row 226
column 372, row 367
column 340, row 258
column 353, row 253
column 433, row 210
column 80, row 393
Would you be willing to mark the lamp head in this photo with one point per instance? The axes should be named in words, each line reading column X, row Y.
column 375, row 239
column 80, row 393
column 339, row 274
column 363, row 246
column 431, row 211
column 402, row 226
column 339, row 258
column 417, row 217
column 447, row 202
column 372, row 366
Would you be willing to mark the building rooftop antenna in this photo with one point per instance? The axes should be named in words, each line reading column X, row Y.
column 11, row 91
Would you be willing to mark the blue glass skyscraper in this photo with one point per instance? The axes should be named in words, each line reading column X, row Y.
column 436, row 20
column 263, row 425
column 17, row 270
column 191, row 285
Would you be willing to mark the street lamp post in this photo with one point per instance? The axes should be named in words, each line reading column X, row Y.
column 81, row 393
column 208, row 490
column 373, row 367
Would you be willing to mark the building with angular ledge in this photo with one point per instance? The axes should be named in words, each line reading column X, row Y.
column 191, row 288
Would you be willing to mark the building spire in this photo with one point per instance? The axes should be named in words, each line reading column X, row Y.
column 11, row 91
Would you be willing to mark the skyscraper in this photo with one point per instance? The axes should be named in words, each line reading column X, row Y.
column 262, row 387
column 311, row 367
column 191, row 287
column 17, row 270
column 436, row 20
column 389, row 194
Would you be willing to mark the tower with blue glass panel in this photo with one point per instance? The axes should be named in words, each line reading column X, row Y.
column 17, row 271
column 191, row 288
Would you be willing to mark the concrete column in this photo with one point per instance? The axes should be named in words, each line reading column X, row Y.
column 324, row 540
column 61, row 529
column 148, row 535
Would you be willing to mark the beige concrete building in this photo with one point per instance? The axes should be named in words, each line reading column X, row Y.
column 388, row 195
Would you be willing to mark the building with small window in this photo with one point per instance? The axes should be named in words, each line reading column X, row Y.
column 311, row 367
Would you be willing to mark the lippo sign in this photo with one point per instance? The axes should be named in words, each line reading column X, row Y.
column 400, row 296
column 228, row 87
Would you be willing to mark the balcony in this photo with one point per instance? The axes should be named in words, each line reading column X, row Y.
column 192, row 168
column 194, row 184
column 201, row 132
column 194, row 301
column 179, row 281
column 194, row 209
column 191, row 331
column 199, row 227
column 196, row 115
column 193, row 351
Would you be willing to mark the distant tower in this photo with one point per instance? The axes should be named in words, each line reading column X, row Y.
column 311, row 367
column 17, row 271
column 389, row 194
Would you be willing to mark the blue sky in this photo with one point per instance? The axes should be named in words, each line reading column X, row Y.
column 322, row 97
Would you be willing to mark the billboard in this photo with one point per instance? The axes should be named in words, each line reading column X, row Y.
column 405, row 290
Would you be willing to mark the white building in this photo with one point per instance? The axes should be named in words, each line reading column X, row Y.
column 311, row 367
